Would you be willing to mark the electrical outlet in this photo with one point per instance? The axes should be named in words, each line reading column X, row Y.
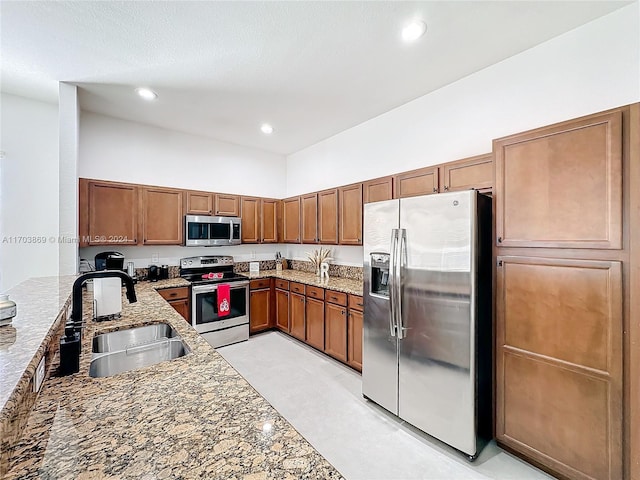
column 39, row 376
column 155, row 258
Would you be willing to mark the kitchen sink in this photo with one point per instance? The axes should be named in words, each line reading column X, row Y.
column 123, row 339
column 134, row 348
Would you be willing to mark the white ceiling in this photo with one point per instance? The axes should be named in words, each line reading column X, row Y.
column 311, row 69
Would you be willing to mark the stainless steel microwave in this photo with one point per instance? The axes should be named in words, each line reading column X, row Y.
column 207, row 231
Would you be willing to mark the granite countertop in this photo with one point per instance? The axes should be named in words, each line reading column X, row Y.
column 39, row 302
column 191, row 417
column 339, row 284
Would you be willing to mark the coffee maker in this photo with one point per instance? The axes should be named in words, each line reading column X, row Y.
column 109, row 261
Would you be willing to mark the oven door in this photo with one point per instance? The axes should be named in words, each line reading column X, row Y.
column 204, row 307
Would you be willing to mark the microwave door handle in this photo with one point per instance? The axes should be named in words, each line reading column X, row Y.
column 230, row 230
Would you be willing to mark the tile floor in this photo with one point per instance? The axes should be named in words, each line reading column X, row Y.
column 322, row 399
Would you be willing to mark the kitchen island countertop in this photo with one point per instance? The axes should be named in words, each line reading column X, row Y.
column 191, row 417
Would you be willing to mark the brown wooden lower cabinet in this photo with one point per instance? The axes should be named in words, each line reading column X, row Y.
column 178, row 298
column 559, row 357
column 260, row 310
column 282, row 310
column 335, row 337
column 354, row 340
column 315, row 323
column 296, row 316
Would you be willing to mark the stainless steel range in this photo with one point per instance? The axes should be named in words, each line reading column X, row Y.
column 220, row 316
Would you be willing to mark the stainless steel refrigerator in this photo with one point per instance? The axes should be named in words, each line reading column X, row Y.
column 427, row 314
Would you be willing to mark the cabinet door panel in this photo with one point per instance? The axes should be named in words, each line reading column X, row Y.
column 113, row 214
column 335, row 340
column 199, row 203
column 354, row 350
column 162, row 216
column 260, row 310
column 268, row 221
column 350, row 204
column 559, row 363
column 227, row 205
column 328, row 216
column 416, row 182
column 282, row 310
column 476, row 173
column 377, row 190
column 315, row 323
column 561, row 186
column 291, row 220
column 309, row 209
column 182, row 307
column 250, row 219
column 296, row 309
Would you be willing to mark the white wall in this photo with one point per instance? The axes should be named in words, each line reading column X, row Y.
column 589, row 69
column 592, row 68
column 113, row 149
column 69, row 118
column 28, row 189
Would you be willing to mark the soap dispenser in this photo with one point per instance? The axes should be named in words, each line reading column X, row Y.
column 70, row 351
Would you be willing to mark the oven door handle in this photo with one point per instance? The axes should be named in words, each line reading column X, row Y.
column 213, row 287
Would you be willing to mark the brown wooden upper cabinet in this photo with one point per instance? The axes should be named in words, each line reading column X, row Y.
column 309, row 217
column 469, row 173
column 416, row 182
column 250, row 219
column 561, row 186
column 377, row 190
column 199, row 203
column 161, row 216
column 291, row 220
column 268, row 220
column 108, row 213
column 227, row 205
column 350, row 204
column 259, row 220
column 328, row 216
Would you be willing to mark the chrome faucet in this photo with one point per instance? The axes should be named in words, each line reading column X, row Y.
column 76, row 311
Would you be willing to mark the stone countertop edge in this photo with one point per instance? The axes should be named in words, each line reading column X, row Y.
column 198, row 382
column 340, row 284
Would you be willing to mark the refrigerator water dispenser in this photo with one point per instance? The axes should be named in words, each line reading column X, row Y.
column 380, row 274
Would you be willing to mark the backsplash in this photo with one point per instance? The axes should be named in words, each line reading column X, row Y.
column 344, row 271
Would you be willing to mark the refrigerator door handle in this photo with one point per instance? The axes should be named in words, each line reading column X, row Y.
column 392, row 282
column 401, row 261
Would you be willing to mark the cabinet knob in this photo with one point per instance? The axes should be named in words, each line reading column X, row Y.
column 435, row 190
column 342, row 312
column 446, row 188
column 499, row 239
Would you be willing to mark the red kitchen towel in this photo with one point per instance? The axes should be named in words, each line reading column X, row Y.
column 224, row 300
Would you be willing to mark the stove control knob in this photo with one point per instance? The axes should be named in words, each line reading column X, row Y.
column 190, row 262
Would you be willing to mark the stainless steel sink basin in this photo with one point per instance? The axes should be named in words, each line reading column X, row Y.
column 134, row 348
column 123, row 339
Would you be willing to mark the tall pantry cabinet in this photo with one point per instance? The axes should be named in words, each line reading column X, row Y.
column 564, row 303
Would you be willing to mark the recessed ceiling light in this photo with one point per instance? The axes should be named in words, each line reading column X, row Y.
column 413, row 31
column 146, row 93
column 266, row 129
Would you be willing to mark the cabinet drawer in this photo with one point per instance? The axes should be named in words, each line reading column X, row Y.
column 282, row 284
column 297, row 287
column 336, row 297
column 315, row 292
column 178, row 293
column 355, row 302
column 261, row 283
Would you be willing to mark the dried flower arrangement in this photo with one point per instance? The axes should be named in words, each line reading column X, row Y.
column 319, row 256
